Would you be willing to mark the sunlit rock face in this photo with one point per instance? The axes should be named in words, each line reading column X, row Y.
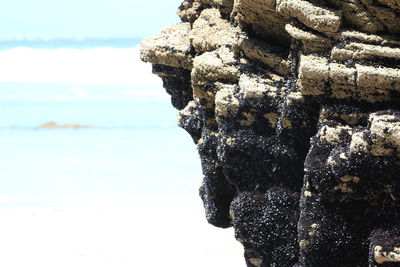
column 294, row 106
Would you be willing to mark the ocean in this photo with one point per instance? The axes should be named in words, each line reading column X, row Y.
column 122, row 192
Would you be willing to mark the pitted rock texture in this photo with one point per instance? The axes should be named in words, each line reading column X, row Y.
column 294, row 106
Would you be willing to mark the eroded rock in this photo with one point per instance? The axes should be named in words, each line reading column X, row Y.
column 294, row 106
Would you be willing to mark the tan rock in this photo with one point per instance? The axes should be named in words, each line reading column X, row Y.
column 357, row 14
column 343, row 80
column 317, row 18
column 253, row 86
column 257, row 50
column 386, row 130
column 213, row 66
column 248, row 119
column 391, row 3
column 366, row 83
column 256, row 262
column 272, row 118
column 311, row 41
column 384, row 78
column 363, row 51
column 294, row 97
column 382, row 256
column 363, row 37
column 210, row 32
column 263, row 18
column 350, row 178
column 350, row 118
column 225, row 6
column 313, row 74
column 226, row 104
column 219, row 65
column 358, row 142
column 332, row 134
column 189, row 11
column 171, row 47
column 387, row 16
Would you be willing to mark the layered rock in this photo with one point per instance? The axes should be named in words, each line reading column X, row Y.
column 294, row 108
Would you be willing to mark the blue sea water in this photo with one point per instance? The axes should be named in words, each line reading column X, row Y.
column 100, row 114
column 134, row 147
column 97, row 162
column 69, row 43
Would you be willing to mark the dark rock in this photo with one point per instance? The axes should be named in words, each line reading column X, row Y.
column 295, row 109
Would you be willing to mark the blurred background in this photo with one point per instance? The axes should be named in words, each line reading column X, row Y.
column 94, row 170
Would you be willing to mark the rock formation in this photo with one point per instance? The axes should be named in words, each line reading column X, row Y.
column 294, row 107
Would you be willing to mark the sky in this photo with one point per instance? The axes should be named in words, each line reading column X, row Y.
column 85, row 18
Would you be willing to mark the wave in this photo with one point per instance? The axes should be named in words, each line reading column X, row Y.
column 13, row 93
column 102, row 65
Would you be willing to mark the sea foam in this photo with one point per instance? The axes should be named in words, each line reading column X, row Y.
column 103, row 65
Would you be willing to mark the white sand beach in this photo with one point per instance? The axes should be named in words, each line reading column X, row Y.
column 115, row 231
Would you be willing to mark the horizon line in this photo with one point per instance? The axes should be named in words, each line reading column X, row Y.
column 68, row 38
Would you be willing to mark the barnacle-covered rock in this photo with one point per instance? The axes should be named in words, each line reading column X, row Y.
column 294, row 106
